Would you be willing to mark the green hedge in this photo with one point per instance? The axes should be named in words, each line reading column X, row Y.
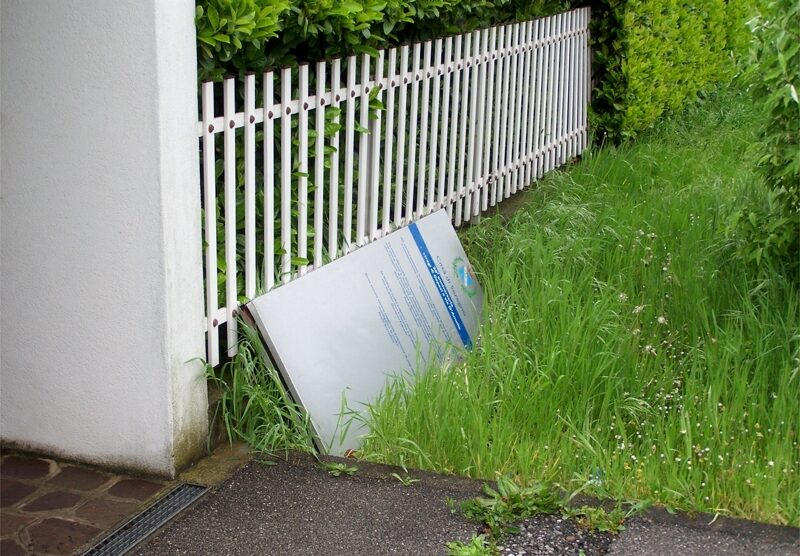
column 651, row 56
column 654, row 56
column 235, row 36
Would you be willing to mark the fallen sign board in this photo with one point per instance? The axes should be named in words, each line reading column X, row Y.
column 393, row 307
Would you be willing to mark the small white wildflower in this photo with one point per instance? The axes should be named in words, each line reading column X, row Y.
column 662, row 319
column 622, row 297
column 638, row 309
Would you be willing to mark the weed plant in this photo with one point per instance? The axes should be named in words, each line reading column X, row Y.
column 625, row 349
column 337, row 469
column 254, row 404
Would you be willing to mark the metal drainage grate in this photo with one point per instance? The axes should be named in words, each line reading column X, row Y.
column 145, row 523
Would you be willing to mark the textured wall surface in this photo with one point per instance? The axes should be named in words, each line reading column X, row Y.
column 101, row 300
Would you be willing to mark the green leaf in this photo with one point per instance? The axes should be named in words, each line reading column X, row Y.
column 213, row 16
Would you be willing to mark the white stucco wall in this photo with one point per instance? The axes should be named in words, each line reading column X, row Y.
column 101, row 299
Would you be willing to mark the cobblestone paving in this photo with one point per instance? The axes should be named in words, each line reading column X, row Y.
column 49, row 507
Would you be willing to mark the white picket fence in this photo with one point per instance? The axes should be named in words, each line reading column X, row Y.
column 474, row 119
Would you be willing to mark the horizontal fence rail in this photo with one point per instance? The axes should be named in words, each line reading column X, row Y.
column 318, row 160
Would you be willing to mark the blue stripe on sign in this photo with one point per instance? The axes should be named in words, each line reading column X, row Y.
column 437, row 279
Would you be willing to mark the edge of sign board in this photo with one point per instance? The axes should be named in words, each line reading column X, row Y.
column 280, row 368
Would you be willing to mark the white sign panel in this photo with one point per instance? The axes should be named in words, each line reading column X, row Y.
column 388, row 308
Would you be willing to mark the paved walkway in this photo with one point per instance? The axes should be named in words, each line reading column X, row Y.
column 296, row 507
column 47, row 507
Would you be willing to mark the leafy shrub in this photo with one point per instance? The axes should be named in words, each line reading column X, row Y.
column 772, row 231
column 776, row 84
column 653, row 56
column 236, row 36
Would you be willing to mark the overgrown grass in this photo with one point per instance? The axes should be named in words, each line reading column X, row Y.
column 625, row 349
column 254, row 404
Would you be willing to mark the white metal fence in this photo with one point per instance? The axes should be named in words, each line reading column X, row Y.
column 331, row 166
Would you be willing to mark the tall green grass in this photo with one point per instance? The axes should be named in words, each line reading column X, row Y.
column 625, row 349
column 254, row 404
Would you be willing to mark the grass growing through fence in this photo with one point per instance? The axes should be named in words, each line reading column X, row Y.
column 625, row 349
column 254, row 404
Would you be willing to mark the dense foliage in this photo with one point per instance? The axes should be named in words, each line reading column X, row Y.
column 655, row 56
column 772, row 228
column 652, row 56
column 776, row 84
column 235, row 36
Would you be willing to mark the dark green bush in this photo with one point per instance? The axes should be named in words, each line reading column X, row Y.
column 653, row 56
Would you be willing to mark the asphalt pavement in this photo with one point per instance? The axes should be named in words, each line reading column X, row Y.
column 296, row 507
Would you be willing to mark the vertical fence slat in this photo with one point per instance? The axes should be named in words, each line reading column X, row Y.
column 541, row 92
column 286, row 174
column 508, row 114
column 587, row 76
column 319, row 164
column 210, row 221
column 548, row 97
column 349, row 156
column 505, row 94
column 480, row 183
column 571, row 100
column 462, row 133
column 518, row 94
column 229, row 175
column 560, row 115
column 533, row 87
column 455, row 95
column 499, row 78
column 551, row 94
column 571, row 105
column 269, row 181
column 544, row 53
column 474, row 65
column 333, row 190
column 513, row 131
column 423, row 127
column 401, row 130
column 388, row 143
column 446, row 64
column 435, row 115
column 302, row 172
column 526, row 93
column 563, row 91
column 584, row 76
column 412, row 133
column 375, row 151
column 249, row 186
column 363, row 152
column 487, row 167
column 557, row 93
